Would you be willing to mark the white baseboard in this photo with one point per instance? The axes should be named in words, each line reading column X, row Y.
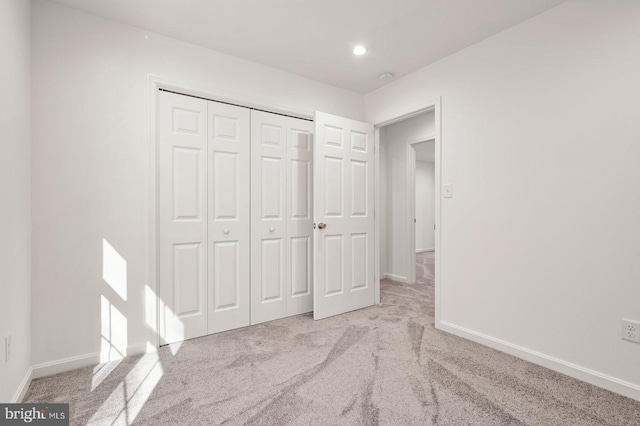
column 66, row 364
column 394, row 277
column 596, row 378
column 24, row 386
column 80, row 361
column 424, row 250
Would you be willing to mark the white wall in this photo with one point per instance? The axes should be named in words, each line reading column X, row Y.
column 90, row 163
column 383, row 207
column 393, row 140
column 15, row 195
column 425, row 205
column 540, row 138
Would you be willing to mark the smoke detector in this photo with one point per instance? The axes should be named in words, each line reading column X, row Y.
column 386, row 76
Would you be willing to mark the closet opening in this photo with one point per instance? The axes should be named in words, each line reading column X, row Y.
column 235, row 216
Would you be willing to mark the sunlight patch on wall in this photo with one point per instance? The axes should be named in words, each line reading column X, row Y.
column 114, row 269
column 113, row 332
column 150, row 312
column 129, row 397
column 171, row 327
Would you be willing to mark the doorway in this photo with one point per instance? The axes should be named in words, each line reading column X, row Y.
column 409, row 175
column 421, row 159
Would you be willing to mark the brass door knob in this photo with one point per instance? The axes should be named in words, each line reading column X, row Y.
column 322, row 225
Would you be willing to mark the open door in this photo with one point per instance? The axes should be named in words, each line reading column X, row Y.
column 343, row 195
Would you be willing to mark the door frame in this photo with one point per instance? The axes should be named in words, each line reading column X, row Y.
column 411, row 203
column 400, row 114
column 154, row 84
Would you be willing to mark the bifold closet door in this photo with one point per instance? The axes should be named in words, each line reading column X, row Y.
column 282, row 227
column 203, row 159
column 229, row 203
column 182, row 198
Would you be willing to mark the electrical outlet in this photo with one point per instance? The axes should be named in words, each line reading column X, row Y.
column 631, row 330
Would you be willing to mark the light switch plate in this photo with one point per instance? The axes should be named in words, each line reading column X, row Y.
column 447, row 190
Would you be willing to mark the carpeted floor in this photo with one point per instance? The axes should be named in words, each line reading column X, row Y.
column 383, row 365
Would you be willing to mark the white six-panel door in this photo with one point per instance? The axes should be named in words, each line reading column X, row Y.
column 281, row 223
column 228, row 193
column 182, row 152
column 344, row 213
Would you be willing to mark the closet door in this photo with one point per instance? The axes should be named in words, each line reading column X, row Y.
column 281, row 216
column 299, row 216
column 268, row 216
column 182, row 198
column 228, row 234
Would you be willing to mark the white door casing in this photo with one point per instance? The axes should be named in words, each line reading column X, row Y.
column 343, row 202
column 182, row 199
column 228, row 234
column 281, row 222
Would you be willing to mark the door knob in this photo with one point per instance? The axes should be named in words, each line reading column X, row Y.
column 226, row 231
column 272, row 229
column 322, row 225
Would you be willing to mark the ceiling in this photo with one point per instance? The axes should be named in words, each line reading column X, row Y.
column 314, row 38
column 425, row 151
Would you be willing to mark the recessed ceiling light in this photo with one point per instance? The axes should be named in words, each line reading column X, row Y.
column 386, row 76
column 359, row 50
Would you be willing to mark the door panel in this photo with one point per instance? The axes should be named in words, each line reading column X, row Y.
column 272, row 181
column 272, row 270
column 187, row 279
column 343, row 200
column 359, row 188
column 359, row 261
column 333, row 264
column 182, row 146
column 301, row 268
column 225, row 266
column 226, row 201
column 300, row 179
column 268, row 225
column 228, row 233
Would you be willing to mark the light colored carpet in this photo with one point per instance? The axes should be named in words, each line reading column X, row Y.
column 383, row 365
